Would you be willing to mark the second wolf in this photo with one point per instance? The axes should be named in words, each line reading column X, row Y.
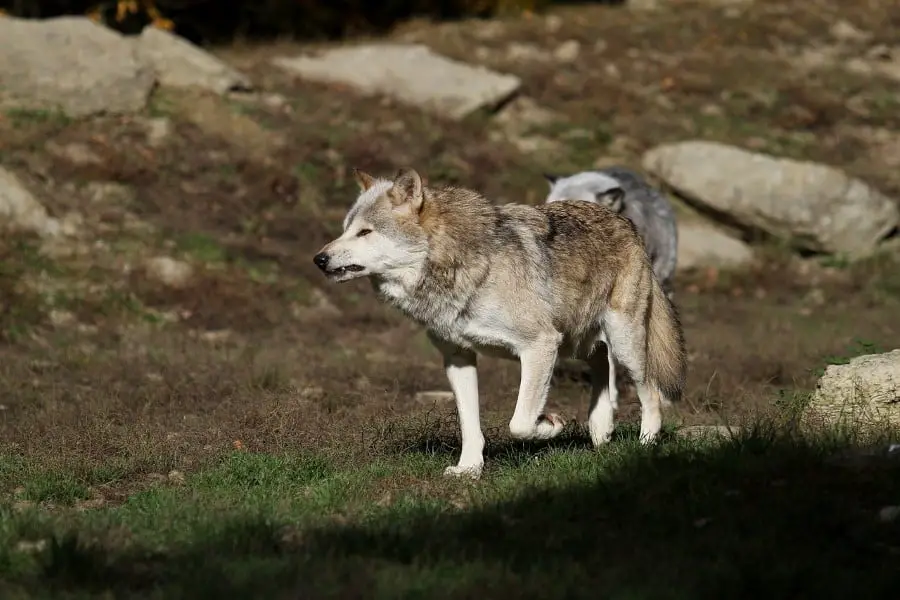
column 517, row 281
column 626, row 192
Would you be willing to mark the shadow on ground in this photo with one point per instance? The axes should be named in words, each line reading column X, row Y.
column 747, row 518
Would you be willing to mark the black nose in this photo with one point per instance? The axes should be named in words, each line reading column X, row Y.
column 321, row 260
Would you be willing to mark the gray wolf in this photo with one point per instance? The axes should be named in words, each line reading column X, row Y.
column 629, row 194
column 521, row 282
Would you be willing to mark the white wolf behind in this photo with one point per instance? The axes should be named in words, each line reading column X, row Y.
column 626, row 192
column 521, row 282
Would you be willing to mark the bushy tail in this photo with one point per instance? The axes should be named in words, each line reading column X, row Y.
column 666, row 357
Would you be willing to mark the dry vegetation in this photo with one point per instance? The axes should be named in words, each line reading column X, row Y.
column 256, row 432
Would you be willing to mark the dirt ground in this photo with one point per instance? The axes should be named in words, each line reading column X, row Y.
column 99, row 362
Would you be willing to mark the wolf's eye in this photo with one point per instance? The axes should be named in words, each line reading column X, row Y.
column 363, row 232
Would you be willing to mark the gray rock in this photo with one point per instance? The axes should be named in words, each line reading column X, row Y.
column 21, row 211
column 179, row 63
column 410, row 73
column 867, row 390
column 813, row 206
column 108, row 192
column 168, row 271
column 889, row 514
column 568, row 51
column 77, row 153
column 845, row 31
column 158, row 131
column 703, row 245
column 70, row 64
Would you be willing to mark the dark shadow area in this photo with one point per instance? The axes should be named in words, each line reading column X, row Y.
column 500, row 448
column 205, row 21
column 752, row 518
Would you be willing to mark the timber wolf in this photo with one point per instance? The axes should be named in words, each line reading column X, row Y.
column 629, row 194
column 521, row 282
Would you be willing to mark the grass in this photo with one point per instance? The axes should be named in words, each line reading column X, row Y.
column 764, row 514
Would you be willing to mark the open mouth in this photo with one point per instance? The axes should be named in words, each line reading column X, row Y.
column 344, row 270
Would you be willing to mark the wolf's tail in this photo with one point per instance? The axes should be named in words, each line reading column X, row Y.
column 666, row 357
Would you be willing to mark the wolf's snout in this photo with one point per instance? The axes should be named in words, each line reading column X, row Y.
column 321, row 260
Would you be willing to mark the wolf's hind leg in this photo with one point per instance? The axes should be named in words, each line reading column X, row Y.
column 628, row 343
column 529, row 421
column 460, row 365
column 604, row 395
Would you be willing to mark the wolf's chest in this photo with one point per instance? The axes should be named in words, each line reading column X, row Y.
column 456, row 321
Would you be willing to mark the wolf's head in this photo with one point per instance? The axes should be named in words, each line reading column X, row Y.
column 590, row 186
column 382, row 235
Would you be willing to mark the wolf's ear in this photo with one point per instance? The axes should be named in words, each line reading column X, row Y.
column 611, row 198
column 408, row 189
column 363, row 179
column 551, row 179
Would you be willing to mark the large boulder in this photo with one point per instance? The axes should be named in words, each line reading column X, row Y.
column 70, row 64
column 866, row 389
column 179, row 64
column 411, row 73
column 813, row 206
column 703, row 245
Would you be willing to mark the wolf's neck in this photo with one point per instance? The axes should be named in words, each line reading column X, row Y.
column 426, row 296
column 399, row 289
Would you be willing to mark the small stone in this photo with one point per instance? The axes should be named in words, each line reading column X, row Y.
column 157, row 130
column 844, row 31
column 519, row 52
column 568, row 51
column 889, row 514
column 553, row 23
column 31, row 547
column 176, row 477
column 61, row 318
column 276, row 101
column 75, row 152
column 108, row 192
column 21, row 211
column 435, row 397
column 217, row 336
column 168, row 271
column 524, row 114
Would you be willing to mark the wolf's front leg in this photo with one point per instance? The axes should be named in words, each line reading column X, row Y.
column 528, row 420
column 460, row 366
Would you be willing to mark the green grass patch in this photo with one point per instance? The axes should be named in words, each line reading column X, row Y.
column 26, row 117
column 202, row 247
column 763, row 515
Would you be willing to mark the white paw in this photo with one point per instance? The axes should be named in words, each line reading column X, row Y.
column 600, row 435
column 549, row 426
column 470, row 471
